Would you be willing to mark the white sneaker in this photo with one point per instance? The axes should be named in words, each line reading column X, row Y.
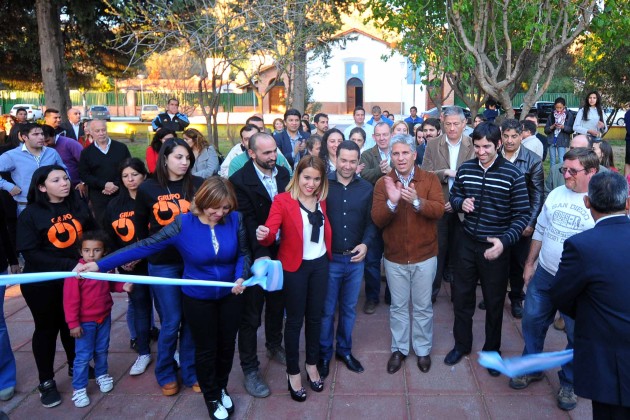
column 80, row 398
column 217, row 411
column 226, row 401
column 105, row 383
column 140, row 366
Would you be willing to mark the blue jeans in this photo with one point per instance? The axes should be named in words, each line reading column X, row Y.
column 93, row 343
column 7, row 361
column 344, row 285
column 168, row 302
column 556, row 154
column 538, row 313
column 140, row 316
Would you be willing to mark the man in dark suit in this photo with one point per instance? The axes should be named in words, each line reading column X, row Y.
column 73, row 127
column 256, row 184
column 443, row 156
column 292, row 141
column 377, row 163
column 591, row 286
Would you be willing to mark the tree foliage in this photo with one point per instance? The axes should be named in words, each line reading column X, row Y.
column 498, row 43
column 87, row 28
column 604, row 54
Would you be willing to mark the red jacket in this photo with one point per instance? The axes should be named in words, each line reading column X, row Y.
column 151, row 157
column 285, row 215
column 86, row 300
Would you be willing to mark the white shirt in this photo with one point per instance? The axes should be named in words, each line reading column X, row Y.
column 369, row 135
column 225, row 166
column 312, row 250
column 453, row 153
column 563, row 215
column 532, row 143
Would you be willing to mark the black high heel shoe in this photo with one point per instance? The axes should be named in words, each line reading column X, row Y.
column 318, row 385
column 299, row 395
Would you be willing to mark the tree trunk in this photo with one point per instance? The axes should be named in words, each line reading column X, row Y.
column 298, row 99
column 52, row 53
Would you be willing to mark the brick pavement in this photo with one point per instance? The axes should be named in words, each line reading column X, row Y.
column 464, row 391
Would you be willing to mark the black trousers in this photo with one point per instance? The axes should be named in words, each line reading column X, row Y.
column 448, row 226
column 213, row 325
column 45, row 300
column 254, row 299
column 471, row 266
column 305, row 292
column 602, row 411
column 518, row 255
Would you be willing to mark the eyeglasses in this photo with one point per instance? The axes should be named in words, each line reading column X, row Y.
column 571, row 171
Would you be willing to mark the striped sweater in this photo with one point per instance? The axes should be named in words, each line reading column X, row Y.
column 501, row 201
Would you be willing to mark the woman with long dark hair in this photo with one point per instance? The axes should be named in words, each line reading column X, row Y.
column 159, row 200
column 153, row 150
column 49, row 229
column 120, row 224
column 559, row 128
column 328, row 152
column 590, row 118
column 305, row 248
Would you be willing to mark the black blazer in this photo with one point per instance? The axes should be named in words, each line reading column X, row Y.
column 67, row 127
column 254, row 203
column 283, row 141
column 592, row 286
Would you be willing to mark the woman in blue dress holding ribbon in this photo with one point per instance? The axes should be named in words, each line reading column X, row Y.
column 213, row 244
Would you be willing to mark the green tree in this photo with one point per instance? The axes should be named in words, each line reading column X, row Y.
column 497, row 43
column 604, row 53
column 67, row 41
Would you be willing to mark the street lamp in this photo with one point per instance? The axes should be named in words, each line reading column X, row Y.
column 141, row 77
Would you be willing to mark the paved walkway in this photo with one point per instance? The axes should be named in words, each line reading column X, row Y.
column 464, row 391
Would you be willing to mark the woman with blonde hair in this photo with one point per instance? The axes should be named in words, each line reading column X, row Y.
column 206, row 159
column 300, row 216
column 400, row 127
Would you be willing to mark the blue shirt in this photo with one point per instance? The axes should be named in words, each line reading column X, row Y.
column 186, row 233
column 22, row 164
column 349, row 209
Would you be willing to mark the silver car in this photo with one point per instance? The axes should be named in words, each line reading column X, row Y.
column 99, row 112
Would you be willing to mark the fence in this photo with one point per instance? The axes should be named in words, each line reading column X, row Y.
column 227, row 100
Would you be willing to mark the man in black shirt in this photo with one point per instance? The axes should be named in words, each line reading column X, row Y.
column 349, row 204
column 98, row 167
column 256, row 184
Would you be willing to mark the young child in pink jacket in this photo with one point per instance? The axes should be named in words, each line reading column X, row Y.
column 88, row 306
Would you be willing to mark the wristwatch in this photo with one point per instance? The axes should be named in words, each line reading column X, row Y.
column 416, row 203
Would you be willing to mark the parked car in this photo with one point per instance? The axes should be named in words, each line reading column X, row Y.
column 33, row 112
column 433, row 113
column 149, row 112
column 542, row 109
column 617, row 118
column 99, row 112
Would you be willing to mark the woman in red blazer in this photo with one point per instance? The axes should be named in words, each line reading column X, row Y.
column 305, row 248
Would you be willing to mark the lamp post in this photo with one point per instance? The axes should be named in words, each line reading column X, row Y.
column 141, row 77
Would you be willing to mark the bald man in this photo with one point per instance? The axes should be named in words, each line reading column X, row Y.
column 73, row 127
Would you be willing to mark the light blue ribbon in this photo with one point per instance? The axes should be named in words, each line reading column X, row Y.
column 524, row 365
column 266, row 273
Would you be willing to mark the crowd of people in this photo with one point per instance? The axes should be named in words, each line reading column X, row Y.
column 418, row 200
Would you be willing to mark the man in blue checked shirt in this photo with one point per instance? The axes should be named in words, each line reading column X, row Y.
column 22, row 161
